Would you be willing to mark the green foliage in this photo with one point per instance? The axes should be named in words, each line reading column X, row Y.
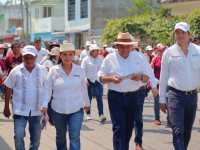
column 195, row 23
column 139, row 7
column 151, row 29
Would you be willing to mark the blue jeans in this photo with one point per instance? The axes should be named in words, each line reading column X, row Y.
column 182, row 112
column 71, row 123
column 122, row 112
column 157, row 107
column 96, row 88
column 139, row 118
column 34, row 130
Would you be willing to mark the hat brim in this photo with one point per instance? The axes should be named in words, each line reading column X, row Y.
column 125, row 43
column 181, row 29
column 29, row 53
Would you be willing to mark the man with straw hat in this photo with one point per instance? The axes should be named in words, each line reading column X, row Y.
column 123, row 71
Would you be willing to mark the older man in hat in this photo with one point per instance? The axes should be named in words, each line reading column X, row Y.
column 123, row 71
column 180, row 74
column 27, row 82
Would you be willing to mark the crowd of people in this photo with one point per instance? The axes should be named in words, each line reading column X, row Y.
column 60, row 82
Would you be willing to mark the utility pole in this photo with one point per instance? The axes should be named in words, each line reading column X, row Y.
column 27, row 25
column 22, row 37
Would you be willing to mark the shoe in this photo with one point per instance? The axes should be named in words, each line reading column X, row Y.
column 139, row 147
column 169, row 124
column 157, row 122
column 88, row 117
column 102, row 118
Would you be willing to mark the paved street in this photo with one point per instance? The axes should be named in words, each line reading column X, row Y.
column 96, row 136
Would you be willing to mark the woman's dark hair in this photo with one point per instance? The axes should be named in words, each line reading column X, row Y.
column 15, row 43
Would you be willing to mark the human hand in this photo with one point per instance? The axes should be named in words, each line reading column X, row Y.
column 44, row 110
column 6, row 112
column 86, row 108
column 136, row 77
column 115, row 79
column 163, row 107
column 155, row 92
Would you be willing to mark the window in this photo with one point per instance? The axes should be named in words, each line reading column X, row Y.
column 36, row 12
column 84, row 8
column 47, row 11
column 71, row 9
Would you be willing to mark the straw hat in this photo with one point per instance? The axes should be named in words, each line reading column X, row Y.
column 54, row 51
column 67, row 47
column 124, row 38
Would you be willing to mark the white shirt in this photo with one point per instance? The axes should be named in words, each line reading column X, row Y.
column 48, row 64
column 179, row 71
column 83, row 54
column 91, row 66
column 41, row 54
column 115, row 64
column 33, row 84
column 153, row 81
column 69, row 91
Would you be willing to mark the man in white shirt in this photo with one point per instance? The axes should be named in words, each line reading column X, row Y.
column 91, row 64
column 86, row 51
column 181, row 75
column 42, row 52
column 27, row 82
column 123, row 71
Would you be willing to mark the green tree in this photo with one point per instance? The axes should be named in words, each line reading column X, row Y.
column 139, row 7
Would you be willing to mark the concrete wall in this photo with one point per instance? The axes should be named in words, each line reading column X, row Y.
column 177, row 8
column 110, row 9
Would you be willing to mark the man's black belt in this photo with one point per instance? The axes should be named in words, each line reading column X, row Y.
column 183, row 92
column 123, row 93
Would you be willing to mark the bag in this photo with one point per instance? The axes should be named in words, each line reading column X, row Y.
column 49, row 112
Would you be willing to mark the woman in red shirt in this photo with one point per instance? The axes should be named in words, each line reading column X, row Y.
column 156, row 65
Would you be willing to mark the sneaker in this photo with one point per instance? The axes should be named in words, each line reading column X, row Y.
column 139, row 147
column 157, row 122
column 102, row 118
column 88, row 117
column 169, row 124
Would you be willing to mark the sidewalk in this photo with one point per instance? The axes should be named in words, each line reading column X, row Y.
column 96, row 136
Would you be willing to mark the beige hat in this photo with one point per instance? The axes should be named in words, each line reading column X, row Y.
column 54, row 51
column 124, row 38
column 67, row 47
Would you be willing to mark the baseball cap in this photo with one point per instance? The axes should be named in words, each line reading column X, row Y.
column 93, row 47
column 88, row 43
column 149, row 48
column 183, row 26
column 37, row 39
column 29, row 49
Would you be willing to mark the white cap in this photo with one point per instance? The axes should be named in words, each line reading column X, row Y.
column 29, row 49
column 158, row 45
column 93, row 47
column 183, row 26
column 88, row 43
column 149, row 48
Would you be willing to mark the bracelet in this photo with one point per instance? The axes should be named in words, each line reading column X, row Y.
column 142, row 77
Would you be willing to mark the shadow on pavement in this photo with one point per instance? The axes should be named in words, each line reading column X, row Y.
column 4, row 145
column 86, row 128
column 161, row 131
